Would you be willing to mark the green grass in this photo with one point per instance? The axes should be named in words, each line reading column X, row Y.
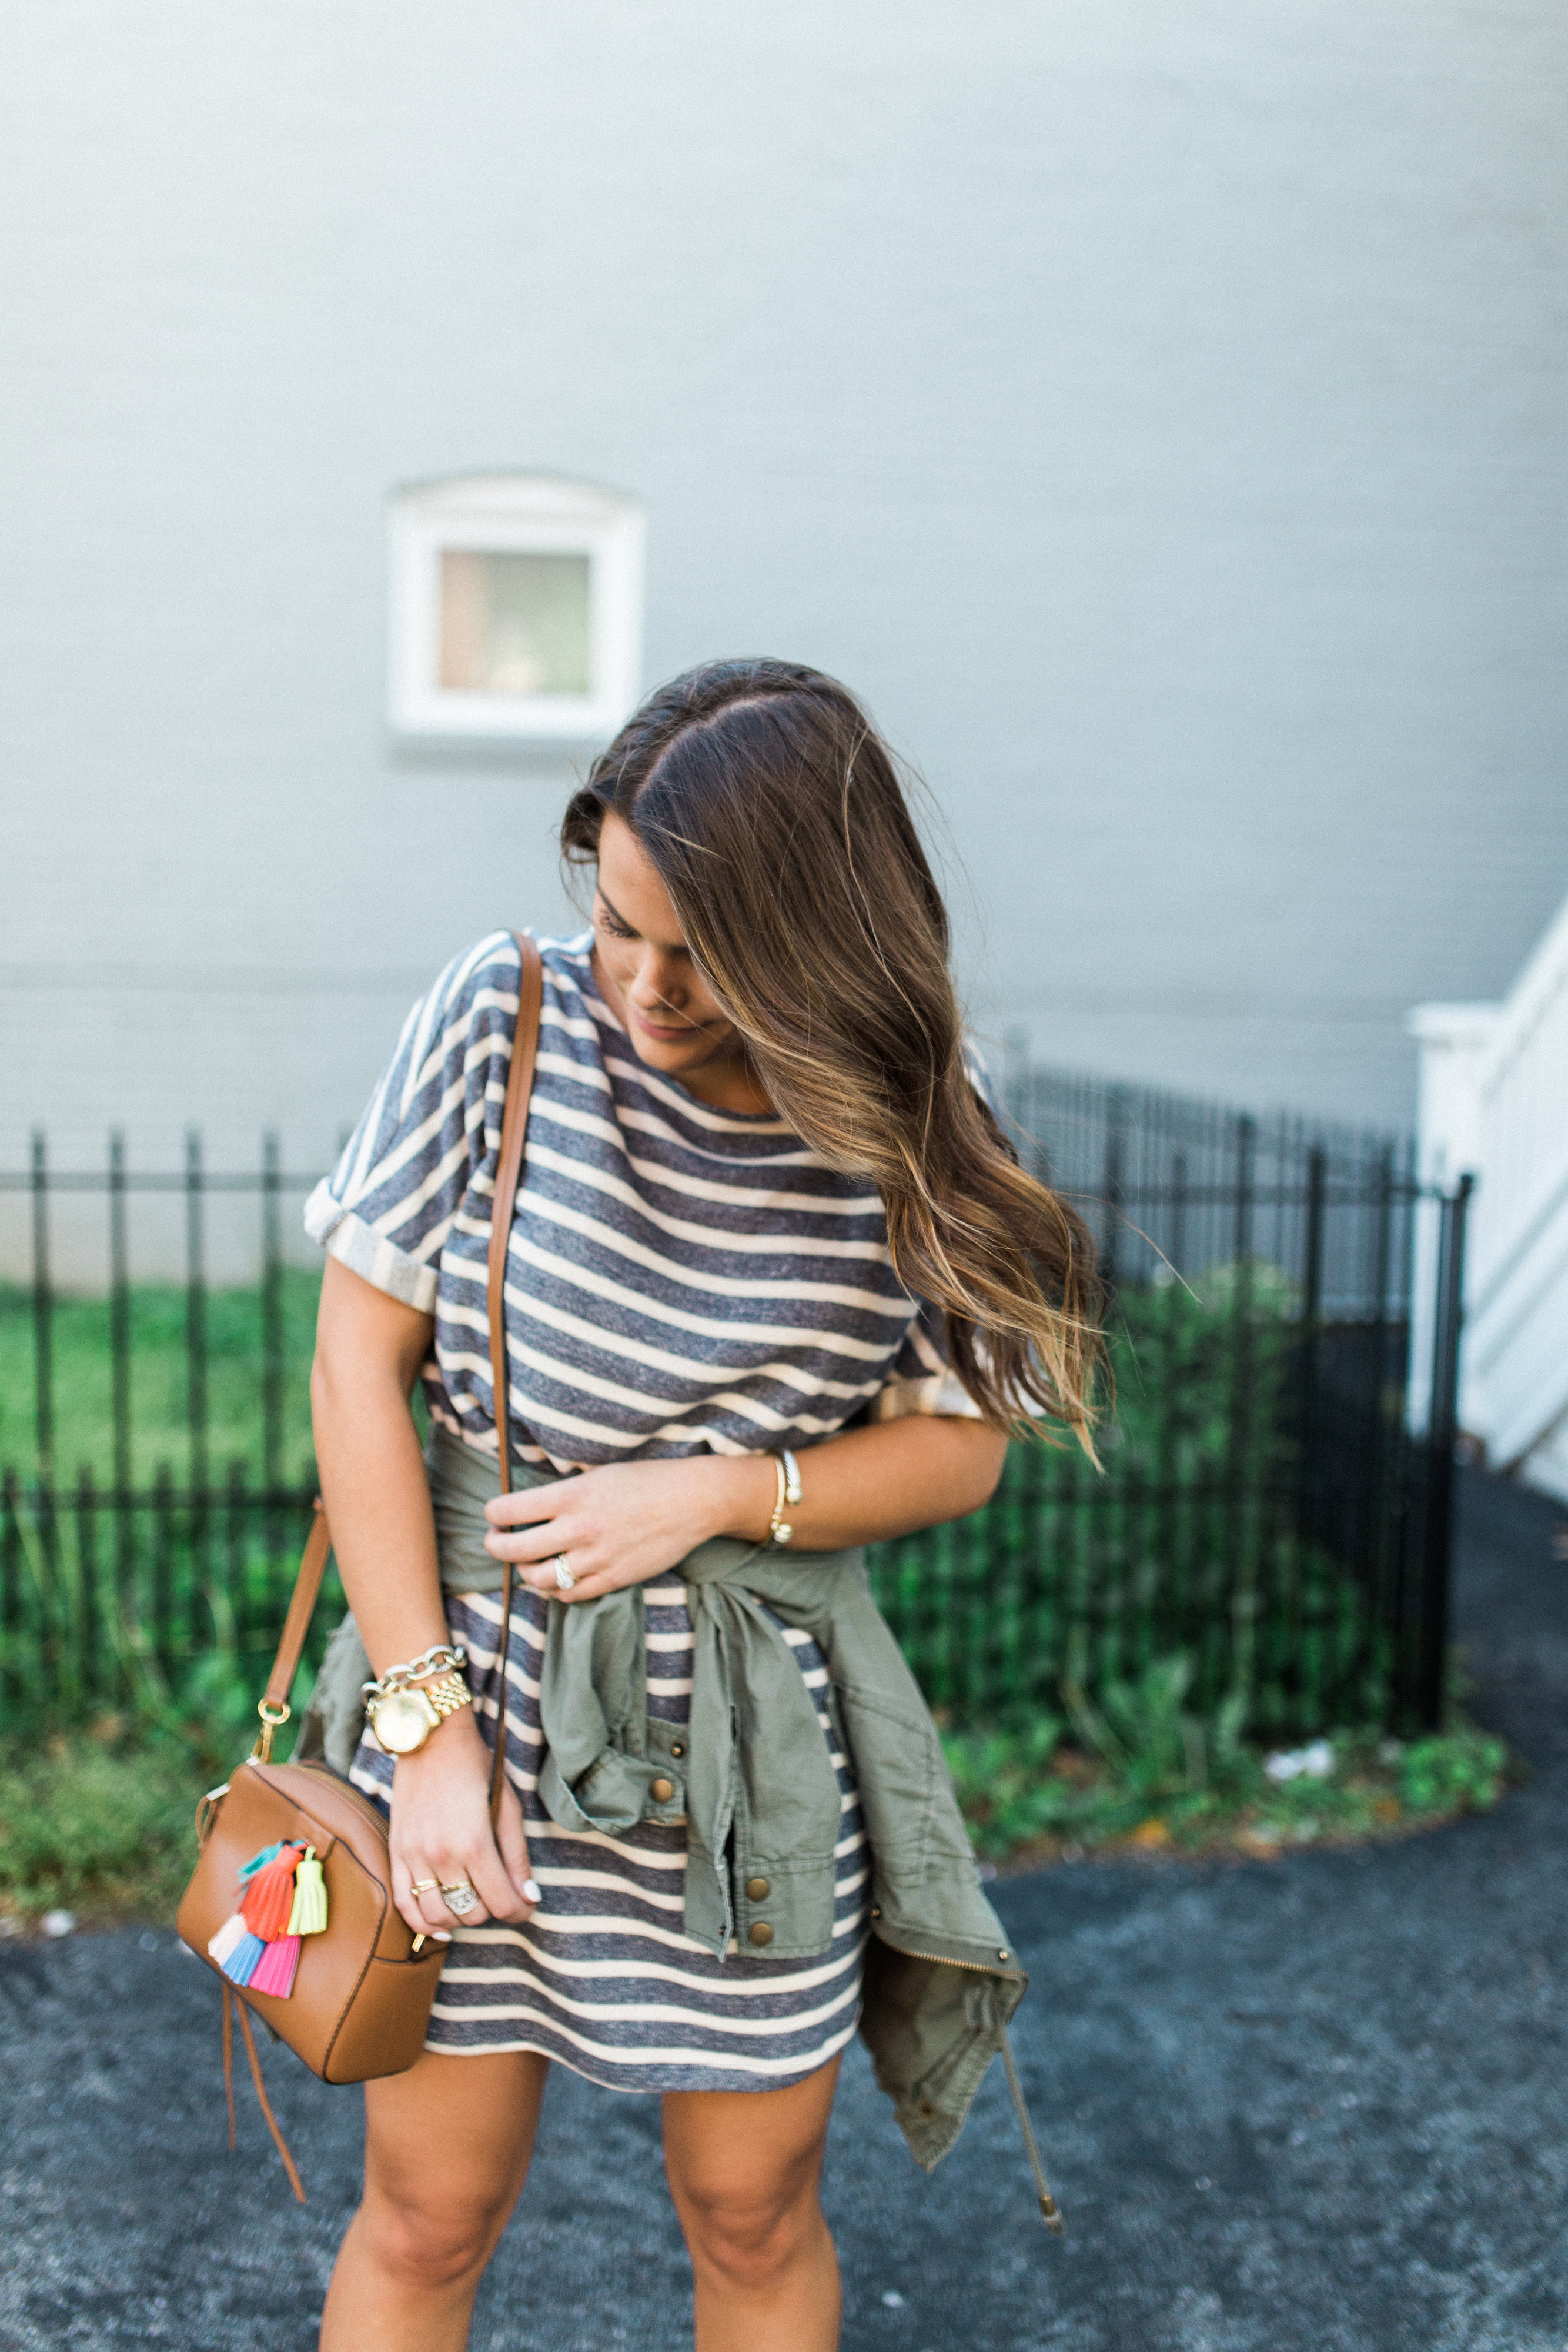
column 83, row 1380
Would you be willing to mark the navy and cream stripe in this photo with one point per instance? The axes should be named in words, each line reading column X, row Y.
column 680, row 1279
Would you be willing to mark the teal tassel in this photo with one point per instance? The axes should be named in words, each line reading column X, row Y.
column 260, row 1861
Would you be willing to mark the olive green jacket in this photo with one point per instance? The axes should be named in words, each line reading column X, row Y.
column 752, row 1778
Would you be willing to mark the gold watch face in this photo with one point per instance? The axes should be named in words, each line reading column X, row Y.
column 402, row 1722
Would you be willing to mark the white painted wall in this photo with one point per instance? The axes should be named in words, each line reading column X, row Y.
column 1494, row 1103
column 1153, row 411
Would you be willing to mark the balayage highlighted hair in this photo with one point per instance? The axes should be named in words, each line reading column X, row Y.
column 774, row 816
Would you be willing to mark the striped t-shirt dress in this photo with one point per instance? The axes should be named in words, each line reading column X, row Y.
column 680, row 1280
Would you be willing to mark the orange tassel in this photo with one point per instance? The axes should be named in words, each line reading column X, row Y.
column 269, row 1897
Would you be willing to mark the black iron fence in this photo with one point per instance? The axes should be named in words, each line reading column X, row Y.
column 156, row 1467
column 1265, row 1510
column 1264, row 1507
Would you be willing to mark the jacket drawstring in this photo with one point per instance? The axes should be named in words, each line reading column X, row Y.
column 1048, row 2207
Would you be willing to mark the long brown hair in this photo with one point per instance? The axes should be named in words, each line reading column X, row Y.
column 776, row 821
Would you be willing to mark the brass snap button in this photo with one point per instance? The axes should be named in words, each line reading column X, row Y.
column 662, row 1791
column 925, row 2108
column 678, row 1746
column 758, row 1890
column 760, row 1932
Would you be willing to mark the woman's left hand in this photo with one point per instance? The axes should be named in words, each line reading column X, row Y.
column 627, row 1521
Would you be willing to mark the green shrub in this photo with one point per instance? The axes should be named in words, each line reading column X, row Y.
column 1459, row 1773
column 1141, row 1765
column 100, row 1823
column 1005, row 1784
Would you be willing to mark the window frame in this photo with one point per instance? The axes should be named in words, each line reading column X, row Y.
column 524, row 514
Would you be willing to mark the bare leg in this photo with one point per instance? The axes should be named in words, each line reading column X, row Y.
column 446, row 2151
column 744, row 2170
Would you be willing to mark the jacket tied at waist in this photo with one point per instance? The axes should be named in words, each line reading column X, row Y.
column 753, row 1778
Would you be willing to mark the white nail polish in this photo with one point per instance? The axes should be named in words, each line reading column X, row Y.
column 441, row 1935
column 530, row 1892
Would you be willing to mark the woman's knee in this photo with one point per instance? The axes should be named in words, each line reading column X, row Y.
column 427, row 2238
column 749, row 2235
column 446, row 2150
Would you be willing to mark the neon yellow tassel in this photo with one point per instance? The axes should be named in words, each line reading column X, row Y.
column 308, row 1916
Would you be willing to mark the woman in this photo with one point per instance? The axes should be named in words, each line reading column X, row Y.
column 768, row 1245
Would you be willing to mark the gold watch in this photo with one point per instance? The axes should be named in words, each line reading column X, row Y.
column 403, row 1719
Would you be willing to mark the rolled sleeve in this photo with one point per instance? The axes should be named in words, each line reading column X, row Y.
column 350, row 1241
column 921, row 1381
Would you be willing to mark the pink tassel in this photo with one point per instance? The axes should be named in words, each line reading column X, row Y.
column 273, row 1972
column 227, row 1940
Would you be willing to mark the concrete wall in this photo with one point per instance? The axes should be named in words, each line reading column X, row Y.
column 1151, row 410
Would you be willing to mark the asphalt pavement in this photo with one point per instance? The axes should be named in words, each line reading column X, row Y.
column 1309, row 2106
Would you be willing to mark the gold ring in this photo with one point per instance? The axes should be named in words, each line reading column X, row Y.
column 425, row 1886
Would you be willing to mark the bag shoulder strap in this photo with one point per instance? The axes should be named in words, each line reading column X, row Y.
column 509, row 1170
column 274, row 1707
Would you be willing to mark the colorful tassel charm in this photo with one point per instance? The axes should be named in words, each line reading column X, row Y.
column 269, row 1898
column 273, row 1972
column 259, row 1861
column 282, row 1896
column 240, row 1966
column 229, row 1938
column 308, row 1916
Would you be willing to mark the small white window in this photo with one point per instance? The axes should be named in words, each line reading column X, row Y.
column 516, row 609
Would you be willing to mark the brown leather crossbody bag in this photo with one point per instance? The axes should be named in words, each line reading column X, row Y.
column 359, row 2005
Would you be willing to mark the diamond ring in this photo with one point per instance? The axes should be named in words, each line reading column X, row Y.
column 461, row 1898
column 563, row 1575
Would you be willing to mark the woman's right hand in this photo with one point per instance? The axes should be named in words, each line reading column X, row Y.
column 441, row 1831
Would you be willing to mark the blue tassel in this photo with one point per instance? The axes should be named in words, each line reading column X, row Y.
column 240, row 1966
